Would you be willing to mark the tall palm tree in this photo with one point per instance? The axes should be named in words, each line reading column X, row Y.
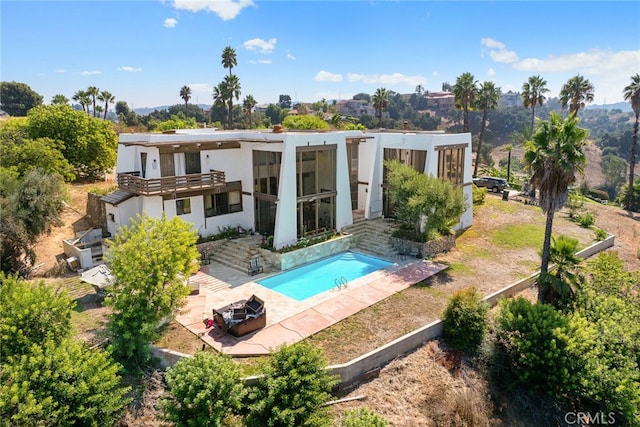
column 107, row 98
column 82, row 98
column 229, row 59
column 380, row 102
column 248, row 103
column 232, row 86
column 220, row 97
column 486, row 99
column 533, row 91
column 419, row 90
column 185, row 94
column 464, row 92
column 632, row 94
column 575, row 92
column 93, row 92
column 553, row 157
column 59, row 99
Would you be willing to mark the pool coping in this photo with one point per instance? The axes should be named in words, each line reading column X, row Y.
column 290, row 321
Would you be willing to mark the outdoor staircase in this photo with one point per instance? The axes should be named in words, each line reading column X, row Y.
column 235, row 254
column 372, row 236
column 204, row 281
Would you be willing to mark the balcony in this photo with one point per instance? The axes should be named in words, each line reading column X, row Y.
column 170, row 184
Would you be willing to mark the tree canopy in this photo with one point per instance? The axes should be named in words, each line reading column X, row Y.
column 150, row 261
column 16, row 99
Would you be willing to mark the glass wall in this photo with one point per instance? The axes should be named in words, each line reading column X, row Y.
column 266, row 176
column 316, row 188
column 415, row 158
column 451, row 163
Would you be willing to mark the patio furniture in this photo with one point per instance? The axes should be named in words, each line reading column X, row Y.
column 254, row 268
column 205, row 257
column 241, row 317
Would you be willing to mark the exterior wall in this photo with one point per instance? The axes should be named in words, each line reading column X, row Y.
column 237, row 163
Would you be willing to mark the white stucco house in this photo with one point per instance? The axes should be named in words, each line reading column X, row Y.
column 284, row 184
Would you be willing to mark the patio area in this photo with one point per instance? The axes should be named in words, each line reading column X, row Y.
column 288, row 320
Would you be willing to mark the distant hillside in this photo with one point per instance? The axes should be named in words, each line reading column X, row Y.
column 624, row 106
column 147, row 110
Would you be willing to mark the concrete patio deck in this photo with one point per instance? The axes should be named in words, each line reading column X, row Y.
column 288, row 320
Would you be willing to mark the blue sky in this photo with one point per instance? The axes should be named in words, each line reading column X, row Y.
column 144, row 51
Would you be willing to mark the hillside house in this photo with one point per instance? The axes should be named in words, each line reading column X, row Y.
column 285, row 184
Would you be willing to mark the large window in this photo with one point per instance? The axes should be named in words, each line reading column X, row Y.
column 222, row 203
column 167, row 165
column 192, row 163
column 316, row 188
column 415, row 158
column 183, row 206
column 266, row 172
column 451, row 163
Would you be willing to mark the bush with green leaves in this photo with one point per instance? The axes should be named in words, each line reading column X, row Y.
column 362, row 417
column 585, row 219
column 306, row 121
column 465, row 320
column 535, row 337
column 293, row 389
column 479, row 194
column 31, row 314
column 149, row 261
column 61, row 384
column 426, row 206
column 600, row 233
column 203, row 390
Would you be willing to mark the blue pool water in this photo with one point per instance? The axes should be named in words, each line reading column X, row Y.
column 311, row 279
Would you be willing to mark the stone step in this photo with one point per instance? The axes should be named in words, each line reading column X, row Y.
column 204, row 281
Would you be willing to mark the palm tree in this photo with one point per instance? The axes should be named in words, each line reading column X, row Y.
column 232, row 85
column 575, row 92
column 487, row 98
column 464, row 92
column 185, row 94
column 419, row 90
column 561, row 286
column 380, row 101
column 93, row 92
column 82, row 98
column 632, row 94
column 229, row 59
column 533, row 92
column 553, row 157
column 59, row 99
column 107, row 98
column 220, row 96
column 248, row 103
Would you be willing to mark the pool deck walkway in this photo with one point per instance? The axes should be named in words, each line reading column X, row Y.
column 288, row 320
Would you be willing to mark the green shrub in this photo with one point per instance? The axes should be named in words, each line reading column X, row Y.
column 203, row 390
column 362, row 417
column 585, row 219
column 479, row 194
column 535, row 338
column 600, row 234
column 293, row 390
column 465, row 320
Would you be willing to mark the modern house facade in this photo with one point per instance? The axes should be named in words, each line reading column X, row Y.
column 284, row 184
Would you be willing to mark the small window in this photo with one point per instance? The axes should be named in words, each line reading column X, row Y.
column 112, row 217
column 183, row 206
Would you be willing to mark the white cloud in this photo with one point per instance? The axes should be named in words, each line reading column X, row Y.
column 435, row 74
column 60, row 71
column 387, row 79
column 170, row 23
column 498, row 51
column 130, row 69
column 90, row 73
column 225, row 9
column 201, row 87
column 261, row 61
column 261, row 45
column 491, row 72
column 290, row 56
column 491, row 43
column 325, row 76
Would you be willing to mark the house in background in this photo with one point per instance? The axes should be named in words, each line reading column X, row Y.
column 441, row 101
column 285, row 184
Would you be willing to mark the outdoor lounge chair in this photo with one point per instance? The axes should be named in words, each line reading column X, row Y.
column 254, row 268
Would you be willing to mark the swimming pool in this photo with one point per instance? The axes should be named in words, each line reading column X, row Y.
column 311, row 279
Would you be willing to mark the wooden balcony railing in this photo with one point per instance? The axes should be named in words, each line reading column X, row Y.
column 170, row 184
